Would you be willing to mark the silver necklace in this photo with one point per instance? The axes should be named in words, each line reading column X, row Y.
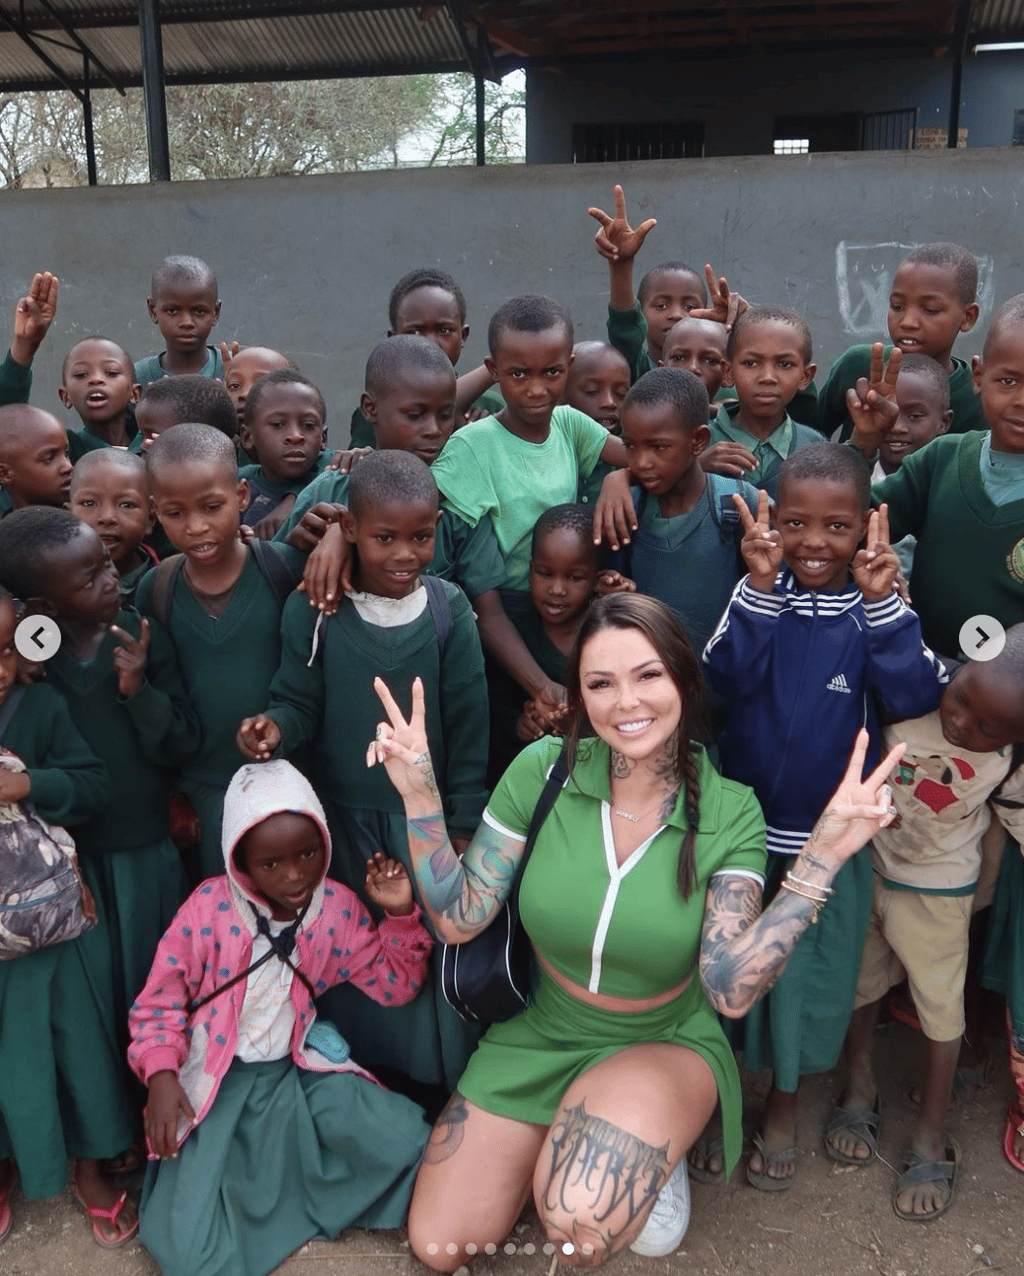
column 635, row 819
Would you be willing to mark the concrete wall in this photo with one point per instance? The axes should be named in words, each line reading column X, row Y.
column 306, row 264
column 739, row 98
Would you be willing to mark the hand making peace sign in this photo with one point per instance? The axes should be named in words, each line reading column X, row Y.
column 761, row 547
column 872, row 402
column 402, row 746
column 876, row 566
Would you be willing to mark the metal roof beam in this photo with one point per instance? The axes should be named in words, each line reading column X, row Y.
column 41, row 54
column 83, row 47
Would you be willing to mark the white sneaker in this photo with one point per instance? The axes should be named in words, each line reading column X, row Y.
column 667, row 1222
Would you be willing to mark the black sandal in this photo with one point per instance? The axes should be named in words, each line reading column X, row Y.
column 863, row 1123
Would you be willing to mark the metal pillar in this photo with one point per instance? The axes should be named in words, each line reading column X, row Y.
column 90, row 138
column 153, row 89
column 961, row 29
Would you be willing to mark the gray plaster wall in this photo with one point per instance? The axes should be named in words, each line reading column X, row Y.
column 738, row 98
column 306, row 264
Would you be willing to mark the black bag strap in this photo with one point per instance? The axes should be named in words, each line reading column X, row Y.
column 281, row 946
column 440, row 611
column 165, row 577
column 277, row 571
column 10, row 706
column 548, row 796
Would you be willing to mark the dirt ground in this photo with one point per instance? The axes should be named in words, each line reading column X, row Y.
column 833, row 1222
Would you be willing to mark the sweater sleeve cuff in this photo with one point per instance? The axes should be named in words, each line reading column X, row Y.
column 405, row 928
column 884, row 611
column 158, row 1059
column 768, row 605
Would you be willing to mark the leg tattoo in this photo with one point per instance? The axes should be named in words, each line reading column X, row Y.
column 446, row 1136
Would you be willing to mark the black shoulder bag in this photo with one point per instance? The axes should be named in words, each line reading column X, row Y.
column 487, row 979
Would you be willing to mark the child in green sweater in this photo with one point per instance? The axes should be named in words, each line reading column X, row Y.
column 400, row 627
column 98, row 383
column 220, row 601
column 110, row 492
column 34, row 465
column 185, row 306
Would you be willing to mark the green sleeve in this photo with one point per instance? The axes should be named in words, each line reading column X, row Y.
column 15, row 381
column 474, row 560
column 803, row 407
column 360, row 431
column 69, row 783
column 168, row 729
column 831, row 413
column 464, row 721
column 297, row 691
column 329, row 486
column 906, row 492
column 744, row 844
column 588, row 438
column 513, row 801
column 462, row 480
column 627, row 332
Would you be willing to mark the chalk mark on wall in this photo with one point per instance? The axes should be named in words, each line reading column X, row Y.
column 864, row 275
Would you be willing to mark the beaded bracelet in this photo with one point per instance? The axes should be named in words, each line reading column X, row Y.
column 814, row 886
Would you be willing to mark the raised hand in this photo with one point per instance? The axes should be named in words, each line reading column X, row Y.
column 402, row 746
column 858, row 808
column 761, row 547
column 388, row 886
column 616, row 240
column 876, row 567
column 227, row 353
column 33, row 315
column 730, row 459
column 871, row 403
column 258, row 738
column 724, row 307
column 130, row 658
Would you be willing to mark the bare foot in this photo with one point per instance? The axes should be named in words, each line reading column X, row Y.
column 860, row 1097
column 778, row 1135
column 93, row 1188
column 707, row 1156
column 926, row 1198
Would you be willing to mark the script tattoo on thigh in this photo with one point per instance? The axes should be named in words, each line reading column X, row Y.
column 446, row 1136
column 600, row 1169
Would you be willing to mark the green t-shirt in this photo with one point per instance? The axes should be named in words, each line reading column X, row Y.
column 152, row 367
column 485, row 471
column 623, row 929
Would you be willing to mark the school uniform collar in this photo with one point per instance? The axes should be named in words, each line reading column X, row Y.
column 591, row 777
column 780, row 440
column 807, row 602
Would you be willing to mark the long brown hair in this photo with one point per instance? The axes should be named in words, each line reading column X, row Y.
column 669, row 640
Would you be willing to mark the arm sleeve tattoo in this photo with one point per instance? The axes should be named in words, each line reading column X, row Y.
column 744, row 951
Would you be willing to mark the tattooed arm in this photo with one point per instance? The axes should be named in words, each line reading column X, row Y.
column 743, row 951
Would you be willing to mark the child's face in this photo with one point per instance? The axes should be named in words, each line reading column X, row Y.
column 287, row 431
column 999, row 379
column 531, row 369
column 153, row 416
column 981, row 710
column 597, row 383
column 82, row 583
column 245, row 370
column 99, row 382
column 432, row 313
column 416, row 413
column 670, row 296
column 768, row 368
column 921, row 418
column 35, row 467
column 697, row 346
column 661, row 450
column 563, row 576
column 821, row 523
column 8, row 651
column 394, row 545
column 199, row 505
column 186, row 311
column 283, row 857
column 926, row 313
column 117, row 507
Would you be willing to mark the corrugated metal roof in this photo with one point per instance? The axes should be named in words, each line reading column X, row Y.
column 999, row 19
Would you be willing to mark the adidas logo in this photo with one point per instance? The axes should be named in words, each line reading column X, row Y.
column 838, row 683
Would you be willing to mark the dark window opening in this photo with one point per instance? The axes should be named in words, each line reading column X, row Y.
column 603, row 143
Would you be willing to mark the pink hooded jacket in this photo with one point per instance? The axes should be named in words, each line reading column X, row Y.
column 211, row 939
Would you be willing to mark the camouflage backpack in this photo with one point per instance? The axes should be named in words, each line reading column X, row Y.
column 40, row 890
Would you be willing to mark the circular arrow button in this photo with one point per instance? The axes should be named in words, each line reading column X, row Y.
column 37, row 638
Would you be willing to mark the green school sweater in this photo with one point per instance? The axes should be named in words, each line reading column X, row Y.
column 970, row 552
column 856, row 363
column 69, row 782
column 334, row 703
column 227, row 663
column 465, row 554
column 81, row 441
column 15, row 381
column 138, row 739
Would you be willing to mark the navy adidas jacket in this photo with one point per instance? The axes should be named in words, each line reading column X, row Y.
column 800, row 671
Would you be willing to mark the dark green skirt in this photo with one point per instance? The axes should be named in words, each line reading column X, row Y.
column 425, row 1038
column 140, row 891
column 799, row 1027
column 1002, row 967
column 62, row 1083
column 522, row 1068
column 284, row 1156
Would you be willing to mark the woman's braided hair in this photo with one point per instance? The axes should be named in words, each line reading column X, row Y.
column 667, row 637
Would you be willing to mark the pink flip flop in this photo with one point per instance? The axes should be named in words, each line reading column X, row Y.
column 97, row 1213
column 1014, row 1126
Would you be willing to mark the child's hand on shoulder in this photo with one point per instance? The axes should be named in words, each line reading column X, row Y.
column 130, row 658
column 761, row 547
column 388, row 885
column 616, row 240
column 166, row 1100
column 876, row 567
column 327, row 574
column 309, row 531
column 724, row 307
column 258, row 738
column 268, row 526
column 614, row 516
column 609, row 582
column 871, row 403
column 731, row 460
column 346, row 461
